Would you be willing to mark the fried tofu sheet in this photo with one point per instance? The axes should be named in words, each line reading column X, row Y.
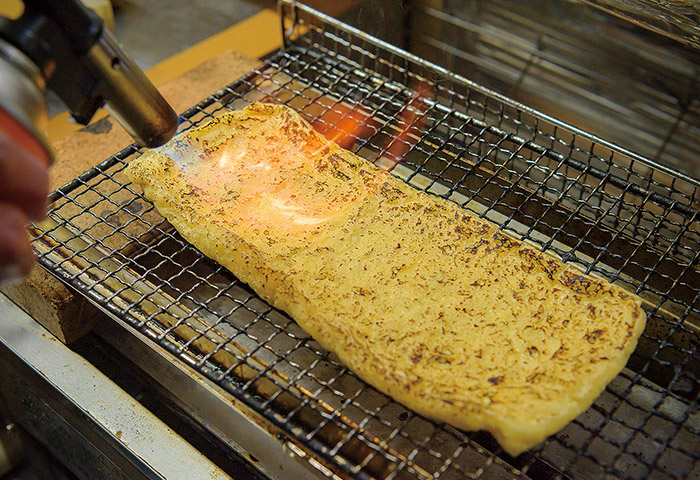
column 429, row 304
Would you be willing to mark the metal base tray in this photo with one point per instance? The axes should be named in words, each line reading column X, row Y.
column 610, row 212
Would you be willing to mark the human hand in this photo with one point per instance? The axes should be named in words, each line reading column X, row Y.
column 24, row 185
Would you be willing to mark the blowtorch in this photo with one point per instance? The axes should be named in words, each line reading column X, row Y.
column 62, row 46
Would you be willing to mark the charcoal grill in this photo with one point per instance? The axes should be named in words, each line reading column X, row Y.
column 609, row 211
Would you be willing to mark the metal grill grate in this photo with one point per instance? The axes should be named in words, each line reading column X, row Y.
column 612, row 213
column 579, row 64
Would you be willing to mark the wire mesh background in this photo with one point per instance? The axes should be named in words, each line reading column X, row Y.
column 613, row 214
column 580, row 64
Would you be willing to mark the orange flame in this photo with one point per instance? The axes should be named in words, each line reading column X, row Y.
column 344, row 125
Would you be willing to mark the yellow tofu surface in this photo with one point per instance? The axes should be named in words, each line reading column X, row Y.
column 426, row 302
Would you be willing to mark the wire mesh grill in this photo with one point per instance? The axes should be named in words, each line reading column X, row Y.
column 579, row 64
column 613, row 214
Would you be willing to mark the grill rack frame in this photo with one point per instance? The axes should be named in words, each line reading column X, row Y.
column 58, row 254
column 574, row 61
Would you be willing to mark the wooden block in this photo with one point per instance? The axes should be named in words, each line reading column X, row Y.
column 68, row 315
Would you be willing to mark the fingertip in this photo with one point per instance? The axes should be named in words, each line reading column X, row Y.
column 36, row 197
column 40, row 202
column 16, row 255
column 24, row 181
column 15, row 272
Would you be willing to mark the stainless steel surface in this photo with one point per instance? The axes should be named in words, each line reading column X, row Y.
column 611, row 212
column 245, row 431
column 80, row 415
column 131, row 97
